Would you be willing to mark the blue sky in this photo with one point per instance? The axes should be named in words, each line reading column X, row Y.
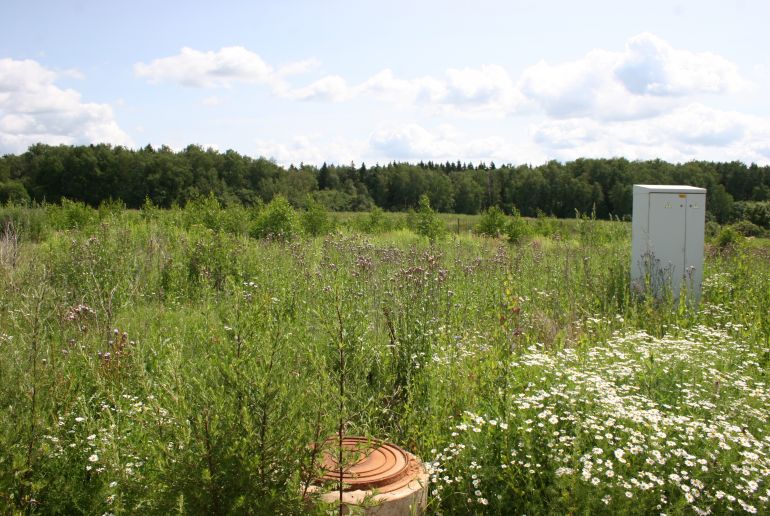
column 341, row 81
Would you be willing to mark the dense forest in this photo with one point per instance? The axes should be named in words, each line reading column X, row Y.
column 96, row 173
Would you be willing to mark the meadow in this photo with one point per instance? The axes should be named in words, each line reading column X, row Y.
column 185, row 361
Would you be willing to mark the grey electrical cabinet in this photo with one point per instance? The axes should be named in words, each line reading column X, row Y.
column 667, row 239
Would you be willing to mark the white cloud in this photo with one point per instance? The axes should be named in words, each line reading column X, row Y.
column 331, row 88
column 484, row 90
column 308, row 150
column 650, row 66
column 489, row 85
column 385, row 86
column 412, row 142
column 690, row 132
column 298, row 67
column 586, row 88
column 409, row 141
column 693, row 131
column 405, row 142
column 34, row 110
column 648, row 78
column 207, row 69
column 212, row 101
column 222, row 68
column 644, row 101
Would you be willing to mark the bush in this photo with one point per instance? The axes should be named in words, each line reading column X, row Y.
column 28, row 223
column 235, row 220
column 758, row 213
column 315, row 219
column 205, row 211
column 70, row 215
column 425, row 222
column 712, row 229
column 748, row 229
column 375, row 221
column 493, row 223
column 13, row 192
column 276, row 220
column 111, row 208
column 727, row 238
column 517, row 227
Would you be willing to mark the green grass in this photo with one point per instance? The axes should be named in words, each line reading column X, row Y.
column 167, row 362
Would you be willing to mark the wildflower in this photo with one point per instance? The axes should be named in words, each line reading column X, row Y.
column 93, row 458
column 746, row 507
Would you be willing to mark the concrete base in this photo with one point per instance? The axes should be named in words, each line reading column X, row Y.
column 407, row 497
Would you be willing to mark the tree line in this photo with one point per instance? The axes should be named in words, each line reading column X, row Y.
column 97, row 173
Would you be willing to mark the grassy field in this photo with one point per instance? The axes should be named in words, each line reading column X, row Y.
column 168, row 362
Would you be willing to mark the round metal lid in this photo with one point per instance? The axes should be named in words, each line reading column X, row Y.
column 367, row 463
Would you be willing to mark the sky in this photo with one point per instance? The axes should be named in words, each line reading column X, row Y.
column 335, row 81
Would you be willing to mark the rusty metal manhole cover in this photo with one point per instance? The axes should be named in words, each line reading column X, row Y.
column 367, row 463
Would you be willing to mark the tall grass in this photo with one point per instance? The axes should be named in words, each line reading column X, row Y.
column 168, row 362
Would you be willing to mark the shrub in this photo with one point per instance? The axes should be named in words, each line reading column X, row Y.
column 111, row 208
column 426, row 223
column 70, row 215
column 27, row 223
column 276, row 220
column 727, row 238
column 205, row 211
column 748, row 229
column 375, row 221
column 315, row 219
column 13, row 192
column 517, row 227
column 493, row 223
column 712, row 229
column 758, row 213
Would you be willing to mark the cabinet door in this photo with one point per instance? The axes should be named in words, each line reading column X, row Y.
column 693, row 257
column 667, row 235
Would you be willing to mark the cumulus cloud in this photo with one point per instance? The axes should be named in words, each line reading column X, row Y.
column 692, row 131
column 330, row 88
column 648, row 78
column 309, row 150
column 223, row 68
column 413, row 142
column 385, row 86
column 487, row 89
column 689, row 132
column 212, row 101
column 402, row 142
column 34, row 110
column 650, row 66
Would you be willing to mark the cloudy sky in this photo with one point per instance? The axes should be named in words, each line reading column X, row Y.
column 518, row 81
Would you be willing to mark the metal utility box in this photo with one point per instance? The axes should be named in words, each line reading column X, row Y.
column 667, row 239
